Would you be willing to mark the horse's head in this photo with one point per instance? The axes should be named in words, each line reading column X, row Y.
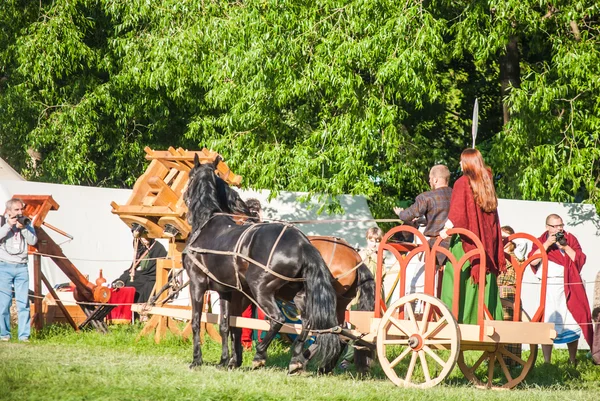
column 201, row 195
column 207, row 193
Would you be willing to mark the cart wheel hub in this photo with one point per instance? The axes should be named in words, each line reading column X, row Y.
column 415, row 342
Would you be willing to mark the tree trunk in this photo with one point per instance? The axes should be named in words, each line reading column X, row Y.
column 510, row 73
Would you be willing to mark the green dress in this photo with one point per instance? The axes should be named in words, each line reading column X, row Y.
column 467, row 311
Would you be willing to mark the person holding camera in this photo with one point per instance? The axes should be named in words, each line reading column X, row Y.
column 567, row 305
column 16, row 233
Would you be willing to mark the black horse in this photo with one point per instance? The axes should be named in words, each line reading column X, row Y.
column 262, row 261
column 342, row 261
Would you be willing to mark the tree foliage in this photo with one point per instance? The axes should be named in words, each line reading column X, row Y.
column 329, row 96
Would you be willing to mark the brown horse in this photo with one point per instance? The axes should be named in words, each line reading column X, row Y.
column 342, row 260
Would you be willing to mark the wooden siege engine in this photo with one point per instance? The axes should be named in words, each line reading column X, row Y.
column 85, row 292
column 157, row 206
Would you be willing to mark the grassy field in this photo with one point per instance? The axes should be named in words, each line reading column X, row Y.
column 59, row 364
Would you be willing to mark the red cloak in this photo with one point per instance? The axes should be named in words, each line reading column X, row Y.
column 465, row 213
column 577, row 301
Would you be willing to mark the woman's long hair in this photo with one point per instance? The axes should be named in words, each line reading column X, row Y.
column 480, row 179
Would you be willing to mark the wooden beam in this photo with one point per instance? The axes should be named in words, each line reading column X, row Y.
column 37, row 291
column 235, row 321
column 144, row 210
column 59, row 303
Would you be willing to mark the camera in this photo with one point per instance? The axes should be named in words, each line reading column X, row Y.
column 560, row 238
column 23, row 220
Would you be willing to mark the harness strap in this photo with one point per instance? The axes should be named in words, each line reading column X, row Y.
column 341, row 276
column 249, row 259
column 332, row 252
column 212, row 276
column 275, row 245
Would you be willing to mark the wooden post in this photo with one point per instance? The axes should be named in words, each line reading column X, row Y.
column 37, row 321
column 163, row 267
column 597, row 292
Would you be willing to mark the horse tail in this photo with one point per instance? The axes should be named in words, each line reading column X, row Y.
column 321, row 307
column 366, row 302
column 366, row 288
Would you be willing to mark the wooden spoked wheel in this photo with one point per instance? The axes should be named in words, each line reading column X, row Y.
column 420, row 349
column 498, row 366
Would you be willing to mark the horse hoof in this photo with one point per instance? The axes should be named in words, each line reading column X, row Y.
column 195, row 365
column 258, row 364
column 325, row 371
column 295, row 369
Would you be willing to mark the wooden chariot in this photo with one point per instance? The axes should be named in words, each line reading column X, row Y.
column 419, row 340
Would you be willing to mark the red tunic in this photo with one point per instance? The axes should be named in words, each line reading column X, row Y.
column 577, row 301
column 465, row 213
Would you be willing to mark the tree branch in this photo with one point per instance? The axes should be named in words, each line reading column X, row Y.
column 575, row 29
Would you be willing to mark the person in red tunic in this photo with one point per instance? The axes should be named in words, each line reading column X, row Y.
column 567, row 305
column 473, row 206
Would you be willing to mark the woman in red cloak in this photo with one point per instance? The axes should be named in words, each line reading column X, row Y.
column 473, row 206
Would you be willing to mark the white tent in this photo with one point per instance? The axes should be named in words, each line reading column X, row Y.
column 103, row 241
column 8, row 173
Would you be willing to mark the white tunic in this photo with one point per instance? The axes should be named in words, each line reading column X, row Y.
column 567, row 329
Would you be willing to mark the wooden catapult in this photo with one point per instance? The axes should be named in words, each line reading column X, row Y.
column 156, row 205
column 91, row 297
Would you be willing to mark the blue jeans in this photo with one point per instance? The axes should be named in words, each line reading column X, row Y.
column 17, row 275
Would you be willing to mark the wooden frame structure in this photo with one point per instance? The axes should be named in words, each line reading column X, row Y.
column 157, row 206
column 37, row 208
column 157, row 203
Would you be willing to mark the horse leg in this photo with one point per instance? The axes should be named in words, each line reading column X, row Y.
column 225, row 305
column 343, row 300
column 198, row 286
column 299, row 359
column 269, row 307
column 239, row 303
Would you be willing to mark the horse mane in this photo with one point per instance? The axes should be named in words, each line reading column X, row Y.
column 230, row 200
column 207, row 194
column 201, row 196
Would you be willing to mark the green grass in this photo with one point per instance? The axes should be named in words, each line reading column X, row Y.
column 59, row 364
